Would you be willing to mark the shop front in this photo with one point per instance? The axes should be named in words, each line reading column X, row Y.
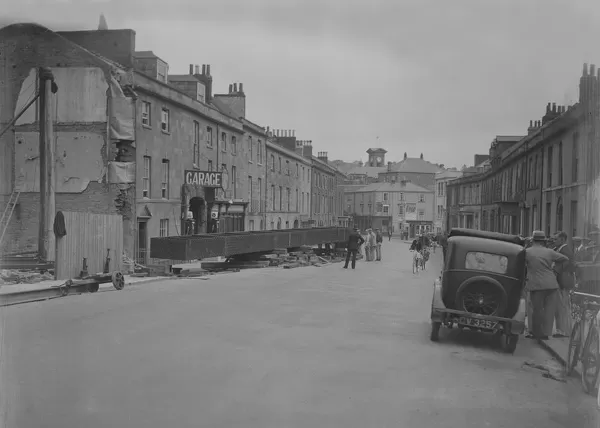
column 204, row 209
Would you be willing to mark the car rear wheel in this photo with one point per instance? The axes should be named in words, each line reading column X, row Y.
column 481, row 295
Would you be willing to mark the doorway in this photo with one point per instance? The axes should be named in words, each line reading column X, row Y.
column 197, row 207
column 142, row 243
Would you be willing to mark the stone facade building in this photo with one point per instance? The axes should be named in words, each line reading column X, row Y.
column 127, row 131
column 441, row 183
column 288, row 179
column 404, row 207
column 539, row 181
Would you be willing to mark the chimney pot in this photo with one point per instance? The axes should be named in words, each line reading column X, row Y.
column 592, row 69
column 191, row 68
column 531, row 123
column 553, row 107
column 241, row 87
column 230, row 88
column 585, row 69
column 203, row 69
column 548, row 107
column 208, row 70
column 235, row 87
column 197, row 69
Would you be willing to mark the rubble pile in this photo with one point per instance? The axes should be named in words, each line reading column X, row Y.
column 12, row 276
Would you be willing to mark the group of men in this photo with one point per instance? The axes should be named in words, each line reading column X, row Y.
column 550, row 278
column 372, row 244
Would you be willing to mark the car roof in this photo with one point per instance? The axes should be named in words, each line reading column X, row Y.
column 495, row 236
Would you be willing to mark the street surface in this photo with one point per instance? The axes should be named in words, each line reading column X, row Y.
column 271, row 348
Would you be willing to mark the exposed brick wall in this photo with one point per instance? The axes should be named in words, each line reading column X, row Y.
column 22, row 233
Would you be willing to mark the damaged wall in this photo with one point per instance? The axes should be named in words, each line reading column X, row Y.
column 79, row 161
column 86, row 87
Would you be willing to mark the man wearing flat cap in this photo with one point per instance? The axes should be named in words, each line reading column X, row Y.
column 542, row 284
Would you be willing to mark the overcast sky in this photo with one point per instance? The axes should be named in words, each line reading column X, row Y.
column 441, row 78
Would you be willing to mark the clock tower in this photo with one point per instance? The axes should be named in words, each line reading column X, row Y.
column 377, row 157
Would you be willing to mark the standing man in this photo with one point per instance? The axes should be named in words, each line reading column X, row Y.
column 542, row 285
column 566, row 282
column 352, row 246
column 367, row 246
column 378, row 243
column 577, row 247
column 390, row 233
column 372, row 239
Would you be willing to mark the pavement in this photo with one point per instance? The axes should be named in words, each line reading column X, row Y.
column 272, row 348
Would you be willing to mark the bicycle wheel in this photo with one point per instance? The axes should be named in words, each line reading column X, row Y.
column 590, row 361
column 574, row 348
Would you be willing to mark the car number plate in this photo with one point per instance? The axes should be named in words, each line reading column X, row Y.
column 476, row 322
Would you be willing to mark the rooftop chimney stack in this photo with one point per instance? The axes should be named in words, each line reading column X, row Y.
column 197, row 69
column 553, row 107
column 191, row 68
column 241, row 87
column 208, row 70
column 405, row 156
column 389, row 168
column 592, row 69
column 204, row 69
column 230, row 88
column 235, row 88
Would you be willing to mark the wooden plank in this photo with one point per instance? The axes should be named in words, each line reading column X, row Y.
column 89, row 235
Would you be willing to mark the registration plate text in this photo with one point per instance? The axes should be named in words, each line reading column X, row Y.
column 476, row 322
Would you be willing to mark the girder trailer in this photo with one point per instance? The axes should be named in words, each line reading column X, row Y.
column 240, row 244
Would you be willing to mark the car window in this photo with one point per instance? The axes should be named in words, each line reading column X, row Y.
column 486, row 262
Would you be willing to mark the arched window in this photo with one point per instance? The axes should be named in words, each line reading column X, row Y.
column 559, row 215
column 279, row 223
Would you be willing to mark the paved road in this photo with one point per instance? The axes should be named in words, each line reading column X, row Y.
column 306, row 347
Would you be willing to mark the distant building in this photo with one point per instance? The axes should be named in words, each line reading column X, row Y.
column 402, row 207
column 415, row 170
column 289, row 183
column 441, row 182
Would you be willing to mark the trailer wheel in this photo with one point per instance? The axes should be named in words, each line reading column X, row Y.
column 93, row 287
column 118, row 280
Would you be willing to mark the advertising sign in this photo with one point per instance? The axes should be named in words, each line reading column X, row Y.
column 204, row 178
column 410, row 212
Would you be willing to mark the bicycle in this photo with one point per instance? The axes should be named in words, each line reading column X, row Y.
column 589, row 353
column 416, row 261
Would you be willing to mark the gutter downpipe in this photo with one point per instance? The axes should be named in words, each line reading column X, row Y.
column 541, row 206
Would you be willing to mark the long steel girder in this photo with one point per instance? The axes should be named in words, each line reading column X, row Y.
column 198, row 247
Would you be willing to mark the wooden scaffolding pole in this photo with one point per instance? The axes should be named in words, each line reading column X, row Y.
column 46, row 241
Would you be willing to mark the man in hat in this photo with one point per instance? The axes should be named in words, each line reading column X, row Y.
column 378, row 243
column 542, row 284
column 352, row 246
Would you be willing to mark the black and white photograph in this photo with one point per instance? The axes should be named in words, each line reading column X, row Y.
column 299, row 214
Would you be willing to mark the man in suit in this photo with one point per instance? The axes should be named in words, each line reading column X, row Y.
column 566, row 282
column 542, row 284
column 352, row 246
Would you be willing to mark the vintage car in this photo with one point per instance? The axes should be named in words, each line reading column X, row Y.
column 481, row 286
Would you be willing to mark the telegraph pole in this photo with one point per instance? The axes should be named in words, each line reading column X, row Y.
column 46, row 241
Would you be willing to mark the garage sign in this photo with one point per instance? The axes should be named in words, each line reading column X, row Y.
column 204, row 178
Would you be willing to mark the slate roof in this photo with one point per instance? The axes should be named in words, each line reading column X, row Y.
column 183, row 78
column 391, row 187
column 448, row 174
column 223, row 108
column 415, row 165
